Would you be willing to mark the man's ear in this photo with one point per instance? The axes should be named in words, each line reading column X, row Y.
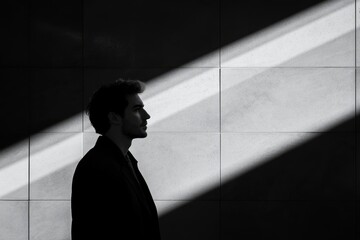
column 114, row 118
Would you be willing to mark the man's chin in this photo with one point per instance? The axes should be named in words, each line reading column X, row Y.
column 141, row 135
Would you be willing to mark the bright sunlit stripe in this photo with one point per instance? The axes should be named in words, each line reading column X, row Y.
column 56, row 156
column 301, row 40
column 12, row 177
column 44, row 161
column 182, row 95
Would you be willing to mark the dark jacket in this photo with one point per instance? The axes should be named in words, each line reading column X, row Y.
column 107, row 202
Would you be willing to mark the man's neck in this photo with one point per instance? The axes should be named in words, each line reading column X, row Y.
column 120, row 140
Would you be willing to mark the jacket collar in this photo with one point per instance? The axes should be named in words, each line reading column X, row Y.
column 108, row 145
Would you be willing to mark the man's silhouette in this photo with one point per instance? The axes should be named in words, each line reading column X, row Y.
column 110, row 199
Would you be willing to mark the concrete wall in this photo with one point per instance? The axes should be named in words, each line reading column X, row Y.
column 253, row 105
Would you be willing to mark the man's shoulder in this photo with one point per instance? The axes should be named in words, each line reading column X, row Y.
column 92, row 157
column 97, row 159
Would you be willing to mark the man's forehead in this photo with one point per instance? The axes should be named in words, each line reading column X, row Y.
column 134, row 99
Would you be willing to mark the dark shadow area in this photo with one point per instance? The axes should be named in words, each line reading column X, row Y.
column 49, row 49
column 308, row 192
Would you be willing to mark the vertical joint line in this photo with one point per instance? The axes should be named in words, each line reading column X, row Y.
column 220, row 128
column 220, row 144
column 220, row 48
column 28, row 166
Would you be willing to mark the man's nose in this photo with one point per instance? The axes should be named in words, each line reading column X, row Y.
column 146, row 115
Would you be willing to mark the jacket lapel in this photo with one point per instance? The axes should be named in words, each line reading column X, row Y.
column 140, row 189
column 143, row 186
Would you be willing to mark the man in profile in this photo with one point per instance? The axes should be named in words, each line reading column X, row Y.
column 110, row 198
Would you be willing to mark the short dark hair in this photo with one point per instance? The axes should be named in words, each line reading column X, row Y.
column 111, row 98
